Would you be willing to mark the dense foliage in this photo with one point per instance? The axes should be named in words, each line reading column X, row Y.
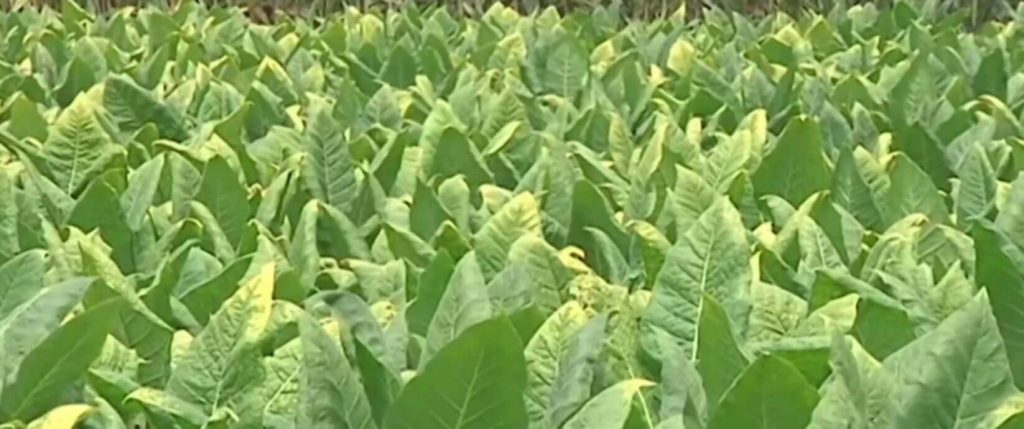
column 419, row 221
column 977, row 11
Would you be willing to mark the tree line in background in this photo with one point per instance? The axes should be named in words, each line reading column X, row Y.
column 979, row 10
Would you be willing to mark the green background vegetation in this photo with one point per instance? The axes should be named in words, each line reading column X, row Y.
column 979, row 10
column 422, row 220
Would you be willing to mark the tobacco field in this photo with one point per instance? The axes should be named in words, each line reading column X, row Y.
column 416, row 219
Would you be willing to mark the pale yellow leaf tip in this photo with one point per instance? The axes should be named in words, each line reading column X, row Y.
column 62, row 417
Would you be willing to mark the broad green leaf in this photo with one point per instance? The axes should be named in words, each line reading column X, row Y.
column 133, row 107
column 851, row 191
column 775, row 312
column 590, row 208
column 214, row 240
column 26, row 121
column 9, row 213
column 432, row 283
column 281, row 388
column 23, row 327
column 999, row 272
column 96, row 263
column 345, row 237
column 476, row 381
column 379, row 282
column 816, row 250
column 692, row 196
column 372, row 326
column 543, row 353
column 519, row 217
column 464, row 303
column 576, row 370
column 547, row 272
column 137, row 199
column 769, row 393
column 440, row 119
column 712, row 258
column 620, row 145
column 112, row 373
column 456, row 155
column 505, row 110
column 682, row 390
column 992, row 75
column 225, row 197
column 204, row 299
column 57, row 362
column 99, row 209
column 20, row 278
column 912, row 192
column 161, row 401
column 136, row 324
column 400, row 68
column 427, row 212
column 330, row 395
column 328, row 169
column 860, row 393
column 565, row 70
column 977, row 188
column 610, row 408
column 912, row 92
column 1011, row 218
column 560, row 175
column 718, row 356
column 304, row 254
column 955, row 376
column 453, row 194
column 882, row 326
column 728, row 158
column 795, row 167
column 78, row 148
column 205, row 373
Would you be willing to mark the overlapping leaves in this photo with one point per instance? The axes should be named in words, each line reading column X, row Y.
column 413, row 220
